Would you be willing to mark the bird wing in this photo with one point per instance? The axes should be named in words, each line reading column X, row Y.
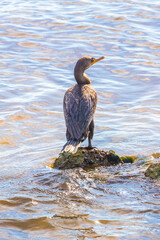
column 79, row 107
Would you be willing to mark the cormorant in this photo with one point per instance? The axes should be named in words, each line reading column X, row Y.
column 79, row 106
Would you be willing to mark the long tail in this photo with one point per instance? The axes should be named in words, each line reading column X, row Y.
column 71, row 146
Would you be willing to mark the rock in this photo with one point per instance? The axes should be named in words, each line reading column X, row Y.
column 86, row 158
column 156, row 155
column 153, row 171
column 128, row 159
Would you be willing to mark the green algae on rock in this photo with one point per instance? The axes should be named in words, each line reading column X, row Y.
column 128, row 159
column 153, row 171
column 86, row 158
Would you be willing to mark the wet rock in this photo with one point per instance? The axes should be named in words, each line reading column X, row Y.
column 153, row 171
column 128, row 159
column 86, row 158
column 156, row 155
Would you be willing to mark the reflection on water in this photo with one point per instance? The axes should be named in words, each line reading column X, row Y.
column 39, row 45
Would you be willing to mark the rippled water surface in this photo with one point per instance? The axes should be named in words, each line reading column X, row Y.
column 40, row 42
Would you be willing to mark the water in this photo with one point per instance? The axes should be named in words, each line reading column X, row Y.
column 40, row 42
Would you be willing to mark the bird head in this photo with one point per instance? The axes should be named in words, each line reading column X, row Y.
column 83, row 64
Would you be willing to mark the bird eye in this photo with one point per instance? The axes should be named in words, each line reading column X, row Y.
column 92, row 59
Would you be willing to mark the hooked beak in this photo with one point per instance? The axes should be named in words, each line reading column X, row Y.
column 97, row 60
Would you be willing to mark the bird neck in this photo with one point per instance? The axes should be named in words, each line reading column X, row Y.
column 81, row 77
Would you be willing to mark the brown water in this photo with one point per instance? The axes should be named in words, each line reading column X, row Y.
column 40, row 41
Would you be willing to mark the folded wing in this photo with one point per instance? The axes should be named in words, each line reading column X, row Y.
column 79, row 107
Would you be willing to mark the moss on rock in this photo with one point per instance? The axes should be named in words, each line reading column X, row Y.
column 153, row 171
column 128, row 159
column 86, row 158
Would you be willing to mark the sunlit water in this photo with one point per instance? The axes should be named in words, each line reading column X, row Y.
column 40, row 42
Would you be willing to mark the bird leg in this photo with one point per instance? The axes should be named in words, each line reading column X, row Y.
column 89, row 143
column 91, row 132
